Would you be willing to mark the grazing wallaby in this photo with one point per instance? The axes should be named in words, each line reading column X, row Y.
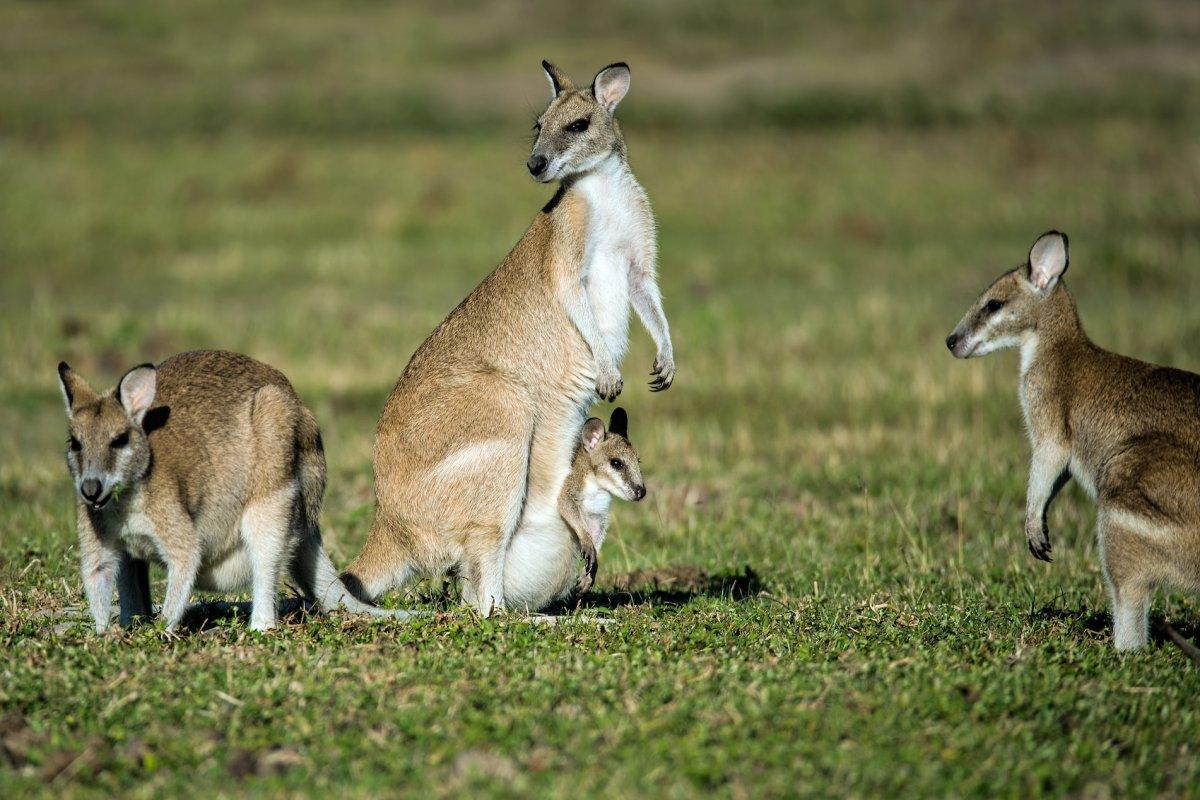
column 208, row 464
column 1125, row 429
column 477, row 436
column 605, row 466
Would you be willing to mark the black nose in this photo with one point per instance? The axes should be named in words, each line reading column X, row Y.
column 639, row 492
column 90, row 489
column 951, row 340
column 536, row 164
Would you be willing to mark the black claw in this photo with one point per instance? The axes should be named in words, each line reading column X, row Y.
column 1040, row 552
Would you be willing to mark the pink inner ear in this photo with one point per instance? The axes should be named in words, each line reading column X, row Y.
column 593, row 437
column 139, row 393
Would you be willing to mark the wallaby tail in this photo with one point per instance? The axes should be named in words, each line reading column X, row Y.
column 1189, row 649
column 311, row 465
column 378, row 567
column 318, row 578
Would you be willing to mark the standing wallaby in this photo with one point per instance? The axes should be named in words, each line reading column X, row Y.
column 477, row 436
column 1125, row 429
column 208, row 464
column 605, row 466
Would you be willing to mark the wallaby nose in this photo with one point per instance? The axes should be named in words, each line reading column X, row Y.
column 90, row 489
column 951, row 340
column 536, row 164
column 639, row 492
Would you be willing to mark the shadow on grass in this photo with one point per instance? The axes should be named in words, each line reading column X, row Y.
column 1101, row 622
column 1087, row 618
column 209, row 614
column 665, row 586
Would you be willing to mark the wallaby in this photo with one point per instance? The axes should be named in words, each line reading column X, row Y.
column 477, row 436
column 1125, row 429
column 605, row 466
column 208, row 464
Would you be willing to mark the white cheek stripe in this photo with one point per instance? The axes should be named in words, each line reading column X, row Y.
column 981, row 341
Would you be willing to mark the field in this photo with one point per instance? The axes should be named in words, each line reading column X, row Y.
column 827, row 591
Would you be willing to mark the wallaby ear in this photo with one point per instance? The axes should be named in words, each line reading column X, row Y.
column 559, row 82
column 1048, row 260
column 75, row 390
column 618, row 423
column 593, row 433
column 610, row 85
column 136, row 391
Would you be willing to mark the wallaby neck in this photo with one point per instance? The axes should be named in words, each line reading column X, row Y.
column 608, row 179
column 1058, row 334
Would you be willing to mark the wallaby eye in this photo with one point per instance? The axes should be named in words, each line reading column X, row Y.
column 617, row 464
column 119, row 441
column 578, row 126
column 537, row 126
column 993, row 305
column 75, row 444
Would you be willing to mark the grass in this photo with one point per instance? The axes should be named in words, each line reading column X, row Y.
column 892, row 635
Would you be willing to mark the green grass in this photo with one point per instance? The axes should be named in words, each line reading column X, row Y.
column 317, row 186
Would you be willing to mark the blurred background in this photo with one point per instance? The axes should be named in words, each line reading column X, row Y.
column 317, row 184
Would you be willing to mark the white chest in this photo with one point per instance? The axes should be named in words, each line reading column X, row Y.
column 594, row 499
column 596, row 503
column 619, row 233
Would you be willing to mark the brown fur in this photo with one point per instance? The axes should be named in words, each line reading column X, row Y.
column 221, row 481
column 477, row 435
column 1124, row 428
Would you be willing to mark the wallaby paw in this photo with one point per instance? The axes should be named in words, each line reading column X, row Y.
column 609, row 385
column 663, row 373
column 1039, row 542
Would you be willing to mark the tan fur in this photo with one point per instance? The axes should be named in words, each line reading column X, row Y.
column 477, row 436
column 605, row 464
column 211, row 466
column 1125, row 429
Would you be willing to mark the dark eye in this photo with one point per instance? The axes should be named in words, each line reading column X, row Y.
column 537, row 126
column 119, row 441
column 578, row 126
column 992, row 306
column 617, row 463
column 75, row 445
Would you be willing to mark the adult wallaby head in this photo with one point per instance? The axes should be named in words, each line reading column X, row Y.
column 1016, row 302
column 578, row 130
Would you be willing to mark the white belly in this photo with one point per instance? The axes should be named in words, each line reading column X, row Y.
column 542, row 564
column 608, row 293
column 230, row 572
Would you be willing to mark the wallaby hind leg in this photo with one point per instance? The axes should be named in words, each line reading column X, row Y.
column 1128, row 557
column 266, row 528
